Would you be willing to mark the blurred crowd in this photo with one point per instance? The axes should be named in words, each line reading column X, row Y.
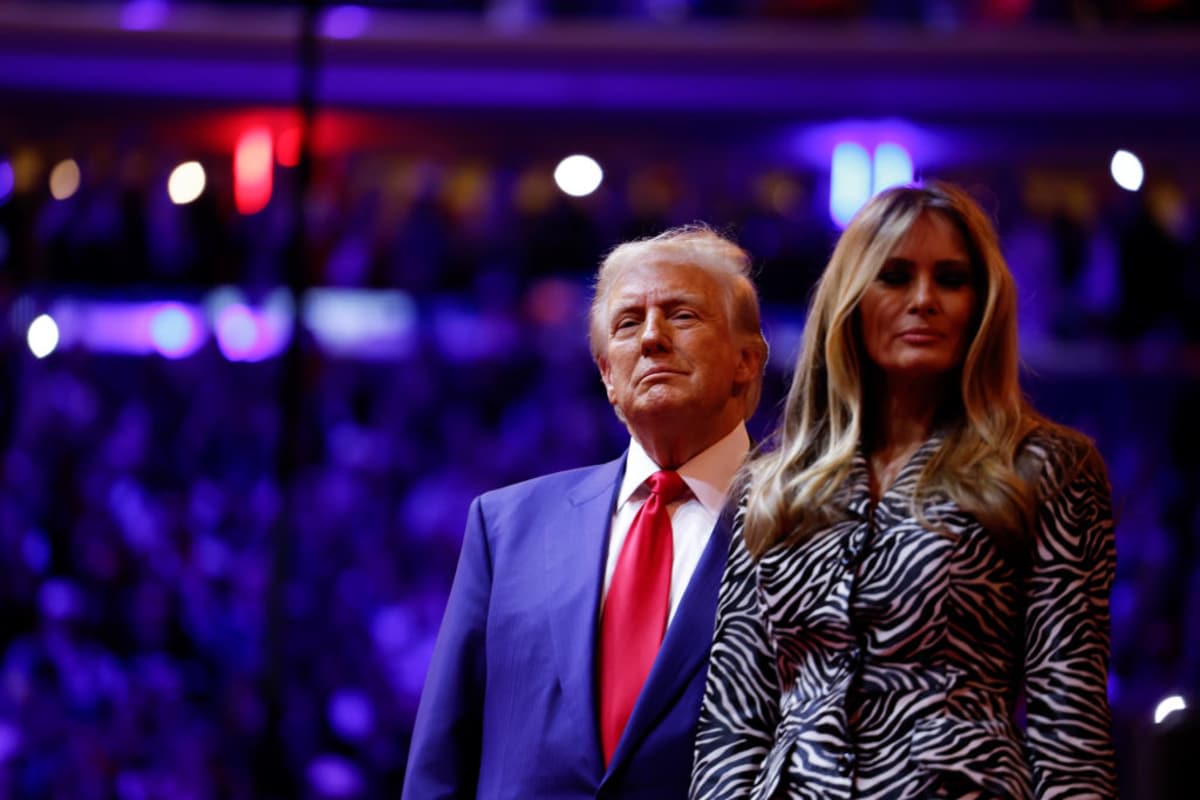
column 187, row 616
column 929, row 12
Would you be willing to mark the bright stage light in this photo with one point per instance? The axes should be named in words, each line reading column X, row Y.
column 893, row 167
column 1127, row 170
column 43, row 336
column 1168, row 706
column 252, row 170
column 849, row 181
column 578, row 175
column 287, row 148
column 64, row 179
column 186, row 182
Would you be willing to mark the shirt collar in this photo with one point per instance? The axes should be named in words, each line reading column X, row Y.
column 709, row 474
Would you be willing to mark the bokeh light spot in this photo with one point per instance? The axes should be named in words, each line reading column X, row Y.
column 351, row 714
column 578, row 175
column 1127, row 170
column 893, row 167
column 287, row 148
column 333, row 776
column 186, row 182
column 252, row 165
column 849, row 181
column 43, row 336
column 1168, row 706
column 237, row 331
column 64, row 179
column 173, row 331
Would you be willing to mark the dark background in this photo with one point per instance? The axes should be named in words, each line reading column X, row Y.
column 222, row 578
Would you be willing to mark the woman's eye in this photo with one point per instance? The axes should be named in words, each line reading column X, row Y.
column 894, row 277
column 954, row 280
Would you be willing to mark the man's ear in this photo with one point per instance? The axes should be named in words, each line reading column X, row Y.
column 751, row 360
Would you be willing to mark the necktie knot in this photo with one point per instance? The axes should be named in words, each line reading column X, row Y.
column 667, row 485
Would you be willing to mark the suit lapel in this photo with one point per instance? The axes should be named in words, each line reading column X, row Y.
column 685, row 646
column 576, row 549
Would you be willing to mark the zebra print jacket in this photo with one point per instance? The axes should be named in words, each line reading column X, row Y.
column 882, row 659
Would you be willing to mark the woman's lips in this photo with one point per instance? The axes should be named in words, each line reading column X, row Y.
column 921, row 336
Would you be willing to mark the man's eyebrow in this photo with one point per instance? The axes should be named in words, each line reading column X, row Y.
column 619, row 306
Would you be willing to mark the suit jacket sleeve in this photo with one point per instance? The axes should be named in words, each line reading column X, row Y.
column 1067, row 634
column 443, row 759
column 741, row 697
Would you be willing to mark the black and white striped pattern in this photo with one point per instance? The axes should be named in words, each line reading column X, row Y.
column 882, row 659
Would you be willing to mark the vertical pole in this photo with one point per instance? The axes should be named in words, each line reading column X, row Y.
column 276, row 776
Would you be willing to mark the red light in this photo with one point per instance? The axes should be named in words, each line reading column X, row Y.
column 252, row 165
column 287, row 148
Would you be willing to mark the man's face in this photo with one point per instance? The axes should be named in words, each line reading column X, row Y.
column 672, row 354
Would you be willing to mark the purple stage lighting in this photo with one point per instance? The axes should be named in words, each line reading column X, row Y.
column 7, row 180
column 345, row 22
column 143, row 15
column 250, row 334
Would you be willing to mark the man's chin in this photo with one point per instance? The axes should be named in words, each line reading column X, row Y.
column 659, row 406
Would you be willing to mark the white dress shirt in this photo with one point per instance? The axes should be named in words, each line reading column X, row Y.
column 693, row 515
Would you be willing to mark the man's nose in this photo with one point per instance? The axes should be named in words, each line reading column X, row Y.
column 656, row 334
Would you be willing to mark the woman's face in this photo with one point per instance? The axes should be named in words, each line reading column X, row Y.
column 916, row 314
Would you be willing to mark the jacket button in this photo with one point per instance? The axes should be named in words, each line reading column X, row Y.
column 853, row 658
column 845, row 763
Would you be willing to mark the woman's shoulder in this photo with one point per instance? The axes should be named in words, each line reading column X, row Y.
column 1054, row 455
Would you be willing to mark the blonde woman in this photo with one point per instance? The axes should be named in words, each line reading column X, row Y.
column 921, row 555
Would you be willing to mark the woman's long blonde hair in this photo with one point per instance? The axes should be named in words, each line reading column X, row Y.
column 793, row 486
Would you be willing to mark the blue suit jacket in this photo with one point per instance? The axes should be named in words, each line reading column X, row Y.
column 509, row 706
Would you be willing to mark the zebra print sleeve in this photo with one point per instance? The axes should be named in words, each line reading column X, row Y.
column 1069, row 726
column 741, row 697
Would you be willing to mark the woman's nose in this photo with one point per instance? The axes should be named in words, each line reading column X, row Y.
column 924, row 296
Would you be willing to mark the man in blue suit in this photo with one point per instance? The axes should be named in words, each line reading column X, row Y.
column 515, row 705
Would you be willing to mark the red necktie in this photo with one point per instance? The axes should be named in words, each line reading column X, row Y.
column 635, row 611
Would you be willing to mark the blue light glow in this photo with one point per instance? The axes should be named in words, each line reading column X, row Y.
column 849, row 181
column 359, row 323
column 7, row 180
column 237, row 332
column 893, row 167
column 174, row 331
column 250, row 333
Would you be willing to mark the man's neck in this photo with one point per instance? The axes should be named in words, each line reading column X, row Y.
column 672, row 439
